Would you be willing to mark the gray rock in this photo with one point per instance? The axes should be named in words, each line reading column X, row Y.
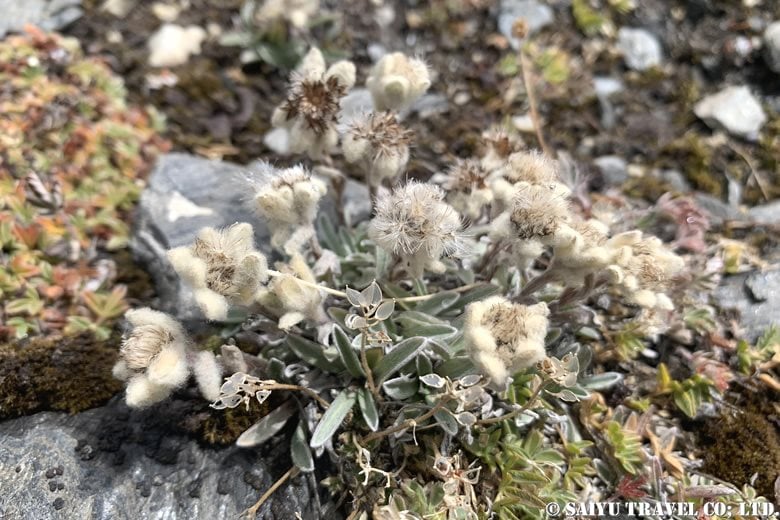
column 772, row 46
column 111, row 463
column 613, row 169
column 766, row 214
column 183, row 195
column 676, row 180
column 718, row 211
column 735, row 109
column 536, row 14
column 640, row 48
column 49, row 15
column 605, row 87
column 757, row 298
column 186, row 193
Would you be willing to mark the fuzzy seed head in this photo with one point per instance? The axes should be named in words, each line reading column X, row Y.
column 531, row 167
column 380, row 141
column 414, row 223
column 537, row 211
column 143, row 344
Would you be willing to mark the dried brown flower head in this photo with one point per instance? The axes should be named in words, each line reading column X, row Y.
column 537, row 211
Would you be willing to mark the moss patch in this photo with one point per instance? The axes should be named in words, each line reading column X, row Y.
column 68, row 374
column 740, row 445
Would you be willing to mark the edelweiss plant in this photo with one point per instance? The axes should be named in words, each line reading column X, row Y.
column 439, row 353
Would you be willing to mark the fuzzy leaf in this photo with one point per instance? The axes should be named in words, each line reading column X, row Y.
column 419, row 324
column 456, row 367
column 368, row 408
column 385, row 310
column 397, row 358
column 401, row 388
column 266, row 427
column 603, row 381
column 447, row 422
column 300, row 451
column 312, row 353
column 348, row 355
column 438, row 303
column 333, row 417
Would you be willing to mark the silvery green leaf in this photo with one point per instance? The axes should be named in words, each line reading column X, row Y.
column 589, row 333
column 424, row 365
column 338, row 314
column 447, row 422
column 332, row 418
column 438, row 303
column 433, row 380
column 312, row 353
column 382, row 263
column 419, row 324
column 367, row 407
column 467, row 419
column 401, row 354
column 276, row 369
column 300, row 451
column 266, row 427
column 470, row 380
column 552, row 335
column 601, row 381
column 456, row 367
column 401, row 388
column 348, row 355
column 478, row 293
column 385, row 310
column 441, row 350
column 354, row 297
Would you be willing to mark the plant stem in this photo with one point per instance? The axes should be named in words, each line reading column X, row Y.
column 407, row 423
column 517, row 412
column 308, row 391
column 525, row 67
column 251, row 513
column 367, row 369
column 536, row 283
column 341, row 294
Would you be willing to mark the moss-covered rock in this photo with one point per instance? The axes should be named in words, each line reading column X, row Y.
column 69, row 374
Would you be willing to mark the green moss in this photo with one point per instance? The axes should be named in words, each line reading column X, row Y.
column 696, row 156
column 66, row 374
column 223, row 427
column 742, row 445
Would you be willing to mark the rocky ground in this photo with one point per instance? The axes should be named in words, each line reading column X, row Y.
column 665, row 96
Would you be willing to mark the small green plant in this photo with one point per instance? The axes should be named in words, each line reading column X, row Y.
column 74, row 155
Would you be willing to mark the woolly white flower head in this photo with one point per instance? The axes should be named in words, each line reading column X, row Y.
column 293, row 300
column 645, row 268
column 222, row 267
column 381, row 142
column 397, row 81
column 288, row 201
column 296, row 12
column 310, row 112
column 414, row 223
column 538, row 212
column 467, row 189
column 499, row 145
column 152, row 358
column 503, row 337
column 155, row 358
column 584, row 252
column 522, row 168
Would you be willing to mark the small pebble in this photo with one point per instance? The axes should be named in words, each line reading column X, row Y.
column 59, row 503
column 51, row 473
column 59, row 470
column 52, row 485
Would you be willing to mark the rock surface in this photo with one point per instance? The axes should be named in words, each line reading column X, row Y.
column 766, row 214
column 536, row 15
column 772, row 46
column 640, row 48
column 756, row 296
column 49, row 15
column 735, row 109
column 614, row 169
column 111, row 463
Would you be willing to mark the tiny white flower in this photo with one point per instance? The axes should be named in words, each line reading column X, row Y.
column 381, row 143
column 292, row 300
column 467, row 188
